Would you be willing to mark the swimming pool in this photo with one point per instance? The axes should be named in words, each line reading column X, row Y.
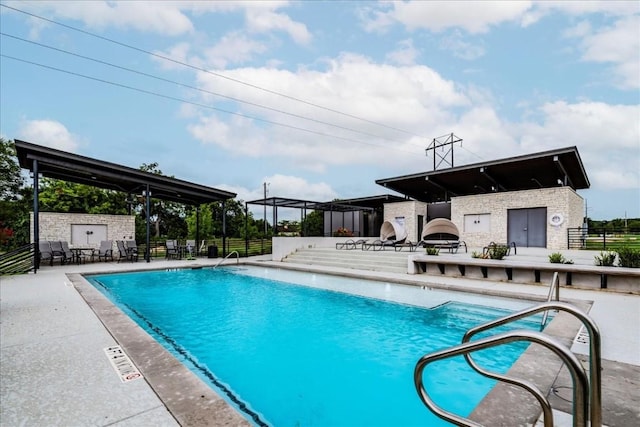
column 301, row 355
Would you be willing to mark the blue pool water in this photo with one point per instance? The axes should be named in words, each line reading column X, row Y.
column 289, row 355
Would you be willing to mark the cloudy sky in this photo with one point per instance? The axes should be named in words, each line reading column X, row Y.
column 320, row 99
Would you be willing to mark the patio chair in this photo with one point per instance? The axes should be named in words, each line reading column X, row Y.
column 123, row 251
column 173, row 251
column 44, row 252
column 106, row 250
column 69, row 255
column 132, row 248
column 58, row 251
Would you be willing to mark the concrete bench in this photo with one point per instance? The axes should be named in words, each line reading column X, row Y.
column 589, row 276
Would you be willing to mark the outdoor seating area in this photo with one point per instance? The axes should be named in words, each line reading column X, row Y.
column 174, row 249
column 392, row 235
column 51, row 251
column 441, row 233
column 494, row 245
column 351, row 244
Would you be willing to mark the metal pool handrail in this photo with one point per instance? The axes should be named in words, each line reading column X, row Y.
column 555, row 285
column 580, row 381
column 595, row 362
column 228, row 255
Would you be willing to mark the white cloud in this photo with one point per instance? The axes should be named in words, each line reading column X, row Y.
column 49, row 133
column 456, row 44
column 411, row 97
column 233, row 48
column 471, row 16
column 157, row 17
column 165, row 17
column 405, row 54
column 288, row 186
column 607, row 137
column 260, row 21
column 296, row 187
column 618, row 44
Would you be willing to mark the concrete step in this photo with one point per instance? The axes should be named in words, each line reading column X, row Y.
column 389, row 260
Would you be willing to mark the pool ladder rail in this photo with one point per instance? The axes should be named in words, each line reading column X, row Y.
column 228, row 255
column 586, row 391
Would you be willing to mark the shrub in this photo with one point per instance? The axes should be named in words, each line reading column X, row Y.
column 606, row 258
column 558, row 258
column 629, row 257
column 433, row 251
column 342, row 232
column 498, row 251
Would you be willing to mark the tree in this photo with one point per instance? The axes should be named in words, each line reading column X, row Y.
column 206, row 222
column 63, row 196
column 14, row 210
column 11, row 180
column 313, row 224
column 168, row 218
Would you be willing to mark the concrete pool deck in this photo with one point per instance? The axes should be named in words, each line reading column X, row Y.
column 54, row 370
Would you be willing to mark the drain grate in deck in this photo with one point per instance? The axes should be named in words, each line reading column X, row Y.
column 582, row 337
column 123, row 366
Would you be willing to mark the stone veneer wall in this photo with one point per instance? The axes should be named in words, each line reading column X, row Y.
column 410, row 211
column 57, row 226
column 560, row 200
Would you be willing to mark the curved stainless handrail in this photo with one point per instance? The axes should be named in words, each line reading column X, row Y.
column 555, row 285
column 594, row 350
column 580, row 381
column 228, row 255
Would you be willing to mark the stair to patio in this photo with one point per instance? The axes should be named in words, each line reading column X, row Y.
column 388, row 260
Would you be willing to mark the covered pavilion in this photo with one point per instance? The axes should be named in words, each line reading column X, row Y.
column 57, row 164
column 560, row 167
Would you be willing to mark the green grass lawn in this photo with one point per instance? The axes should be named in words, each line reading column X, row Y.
column 613, row 242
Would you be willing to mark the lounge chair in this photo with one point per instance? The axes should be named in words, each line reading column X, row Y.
column 406, row 244
column 391, row 234
column 351, row 244
column 441, row 233
column 106, row 250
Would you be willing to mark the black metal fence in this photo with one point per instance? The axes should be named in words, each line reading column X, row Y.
column 214, row 247
column 603, row 238
column 18, row 261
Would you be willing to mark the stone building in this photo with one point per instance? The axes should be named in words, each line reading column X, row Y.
column 530, row 200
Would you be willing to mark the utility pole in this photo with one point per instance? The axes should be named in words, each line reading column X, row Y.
column 264, row 186
column 442, row 142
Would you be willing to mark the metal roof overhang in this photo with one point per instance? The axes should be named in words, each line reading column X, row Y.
column 561, row 167
column 70, row 167
column 282, row 202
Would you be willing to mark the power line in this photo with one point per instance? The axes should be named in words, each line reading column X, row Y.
column 175, row 61
column 173, row 98
column 110, row 64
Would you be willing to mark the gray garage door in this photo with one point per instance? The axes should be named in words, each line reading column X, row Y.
column 527, row 227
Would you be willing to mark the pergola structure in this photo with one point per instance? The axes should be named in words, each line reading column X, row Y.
column 57, row 164
column 304, row 206
column 366, row 204
column 560, row 167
